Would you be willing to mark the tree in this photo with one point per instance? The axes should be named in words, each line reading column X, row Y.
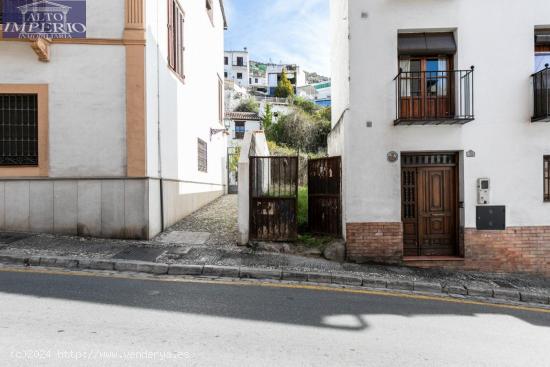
column 300, row 131
column 284, row 87
column 248, row 105
column 267, row 118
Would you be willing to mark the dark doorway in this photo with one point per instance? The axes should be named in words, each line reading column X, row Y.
column 430, row 198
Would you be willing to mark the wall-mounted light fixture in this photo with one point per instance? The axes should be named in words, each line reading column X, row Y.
column 217, row 131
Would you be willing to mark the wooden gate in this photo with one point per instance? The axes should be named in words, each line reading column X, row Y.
column 324, row 195
column 273, row 198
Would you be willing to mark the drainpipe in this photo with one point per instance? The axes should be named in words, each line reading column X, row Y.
column 159, row 173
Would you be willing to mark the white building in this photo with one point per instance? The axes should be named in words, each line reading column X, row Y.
column 294, row 73
column 320, row 93
column 122, row 131
column 239, row 123
column 418, row 127
column 258, row 82
column 237, row 67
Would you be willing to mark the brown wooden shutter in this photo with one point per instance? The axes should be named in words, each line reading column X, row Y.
column 171, row 51
column 181, row 45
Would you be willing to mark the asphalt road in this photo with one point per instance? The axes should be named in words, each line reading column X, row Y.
column 71, row 320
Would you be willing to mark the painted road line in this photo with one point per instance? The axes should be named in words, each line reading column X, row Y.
column 272, row 284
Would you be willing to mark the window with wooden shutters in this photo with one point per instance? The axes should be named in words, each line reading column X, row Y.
column 18, row 130
column 547, row 178
column 202, row 156
column 176, row 46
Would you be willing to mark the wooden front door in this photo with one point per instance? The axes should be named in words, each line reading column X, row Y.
column 430, row 204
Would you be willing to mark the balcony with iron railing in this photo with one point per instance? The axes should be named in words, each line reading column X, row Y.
column 541, row 95
column 434, row 97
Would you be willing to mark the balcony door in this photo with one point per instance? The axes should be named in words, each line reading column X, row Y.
column 425, row 88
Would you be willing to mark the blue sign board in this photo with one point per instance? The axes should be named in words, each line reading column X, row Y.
column 44, row 19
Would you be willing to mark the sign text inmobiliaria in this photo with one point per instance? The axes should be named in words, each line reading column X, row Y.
column 44, row 19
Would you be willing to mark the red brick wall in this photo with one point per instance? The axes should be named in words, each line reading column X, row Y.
column 517, row 249
column 374, row 242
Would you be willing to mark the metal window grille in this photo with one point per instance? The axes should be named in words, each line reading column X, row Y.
column 18, row 129
column 202, row 156
column 547, row 178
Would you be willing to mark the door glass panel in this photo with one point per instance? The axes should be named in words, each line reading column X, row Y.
column 415, row 77
column 541, row 60
column 432, row 68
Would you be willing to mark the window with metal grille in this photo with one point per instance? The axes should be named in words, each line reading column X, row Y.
column 202, row 156
column 547, row 178
column 239, row 129
column 18, row 130
column 176, row 46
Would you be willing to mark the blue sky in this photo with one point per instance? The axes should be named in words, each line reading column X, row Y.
column 291, row 31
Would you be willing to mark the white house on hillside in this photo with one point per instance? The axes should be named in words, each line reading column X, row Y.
column 294, row 73
column 118, row 134
column 443, row 129
column 239, row 123
column 237, row 67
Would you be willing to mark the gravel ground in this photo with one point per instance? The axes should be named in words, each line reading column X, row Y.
column 218, row 218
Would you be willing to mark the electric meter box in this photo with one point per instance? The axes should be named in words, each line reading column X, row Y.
column 483, row 187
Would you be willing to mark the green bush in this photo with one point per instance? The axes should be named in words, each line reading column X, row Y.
column 306, row 105
column 300, row 131
column 302, row 208
column 248, row 105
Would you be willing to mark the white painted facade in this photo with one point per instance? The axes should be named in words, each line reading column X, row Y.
column 87, row 189
column 294, row 73
column 234, row 139
column 188, row 111
column 498, row 39
column 237, row 67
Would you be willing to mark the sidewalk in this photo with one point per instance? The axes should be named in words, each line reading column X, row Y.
column 165, row 255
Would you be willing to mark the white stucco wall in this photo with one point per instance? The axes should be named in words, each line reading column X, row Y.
column 87, row 97
column 496, row 37
column 187, row 110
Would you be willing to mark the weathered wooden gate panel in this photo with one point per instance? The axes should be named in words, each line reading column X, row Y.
column 273, row 198
column 325, row 195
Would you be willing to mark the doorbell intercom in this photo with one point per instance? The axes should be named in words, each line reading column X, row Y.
column 483, row 187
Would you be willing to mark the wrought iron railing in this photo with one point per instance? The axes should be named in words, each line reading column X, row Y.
column 541, row 95
column 434, row 97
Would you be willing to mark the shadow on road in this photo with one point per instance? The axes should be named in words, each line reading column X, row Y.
column 270, row 304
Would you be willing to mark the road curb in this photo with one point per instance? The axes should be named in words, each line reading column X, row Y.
column 421, row 287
